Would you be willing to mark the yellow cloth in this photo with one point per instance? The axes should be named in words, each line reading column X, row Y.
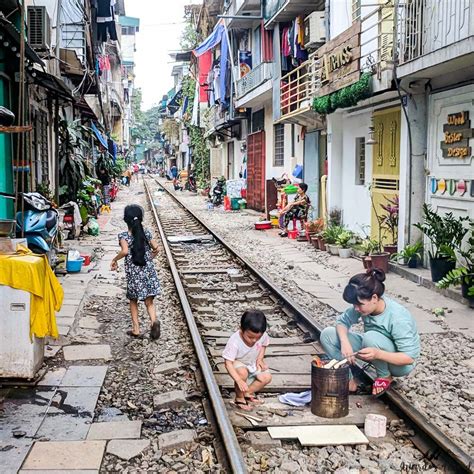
column 32, row 273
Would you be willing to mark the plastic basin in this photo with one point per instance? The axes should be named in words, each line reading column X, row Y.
column 74, row 266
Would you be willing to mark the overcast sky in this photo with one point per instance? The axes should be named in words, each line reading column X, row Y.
column 161, row 24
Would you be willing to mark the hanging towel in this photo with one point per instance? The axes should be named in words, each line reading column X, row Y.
column 32, row 273
column 296, row 399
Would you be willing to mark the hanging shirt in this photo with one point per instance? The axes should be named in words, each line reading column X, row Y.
column 285, row 45
column 105, row 11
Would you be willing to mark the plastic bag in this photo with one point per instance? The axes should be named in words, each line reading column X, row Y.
column 298, row 172
column 73, row 255
column 93, row 227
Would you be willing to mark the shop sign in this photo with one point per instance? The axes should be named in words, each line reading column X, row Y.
column 457, row 133
column 339, row 61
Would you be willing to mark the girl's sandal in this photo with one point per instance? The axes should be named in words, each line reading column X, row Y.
column 381, row 386
column 132, row 334
column 155, row 330
column 252, row 399
column 242, row 405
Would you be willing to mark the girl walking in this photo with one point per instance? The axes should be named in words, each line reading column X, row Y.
column 138, row 248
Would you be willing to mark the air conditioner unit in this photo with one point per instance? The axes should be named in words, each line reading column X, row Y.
column 314, row 30
column 39, row 28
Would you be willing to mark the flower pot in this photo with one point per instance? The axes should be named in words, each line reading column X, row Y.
column 464, row 291
column 322, row 244
column 440, row 267
column 345, row 253
column 381, row 261
column 412, row 262
column 391, row 249
column 333, row 249
column 315, row 242
column 367, row 262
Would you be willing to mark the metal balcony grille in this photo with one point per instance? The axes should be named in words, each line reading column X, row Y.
column 257, row 76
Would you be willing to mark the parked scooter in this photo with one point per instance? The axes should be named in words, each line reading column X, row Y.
column 216, row 194
column 38, row 223
column 191, row 184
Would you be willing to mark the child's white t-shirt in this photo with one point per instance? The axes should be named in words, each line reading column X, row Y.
column 236, row 349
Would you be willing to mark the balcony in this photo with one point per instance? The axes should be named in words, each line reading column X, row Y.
column 255, row 85
column 296, row 94
column 213, row 120
column 432, row 33
column 240, row 9
column 275, row 11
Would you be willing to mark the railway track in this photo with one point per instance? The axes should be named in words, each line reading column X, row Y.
column 215, row 284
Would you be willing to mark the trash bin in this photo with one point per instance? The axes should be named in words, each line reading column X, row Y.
column 20, row 357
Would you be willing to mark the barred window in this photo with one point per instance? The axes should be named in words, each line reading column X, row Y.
column 360, row 161
column 356, row 10
column 41, row 147
column 279, row 145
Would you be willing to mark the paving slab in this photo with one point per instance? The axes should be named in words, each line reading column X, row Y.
column 176, row 439
column 65, row 320
column 65, row 455
column 115, row 430
column 12, row 454
column 84, row 376
column 262, row 440
column 52, row 378
column 127, row 449
column 63, row 330
column 70, row 414
column 67, row 311
column 87, row 352
column 24, row 410
column 174, row 399
column 56, row 471
column 51, row 351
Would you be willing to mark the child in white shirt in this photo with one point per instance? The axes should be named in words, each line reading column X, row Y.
column 243, row 355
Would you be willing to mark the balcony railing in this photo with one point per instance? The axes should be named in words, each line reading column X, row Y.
column 298, row 88
column 213, row 118
column 427, row 25
column 257, row 76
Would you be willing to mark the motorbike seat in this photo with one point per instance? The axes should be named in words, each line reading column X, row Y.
column 51, row 220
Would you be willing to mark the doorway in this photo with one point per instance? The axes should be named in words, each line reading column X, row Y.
column 256, row 171
column 230, row 160
column 311, row 170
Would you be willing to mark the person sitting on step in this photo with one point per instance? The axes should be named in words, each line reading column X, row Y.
column 390, row 342
column 243, row 355
column 298, row 209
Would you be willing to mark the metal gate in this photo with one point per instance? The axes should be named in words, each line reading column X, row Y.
column 256, row 171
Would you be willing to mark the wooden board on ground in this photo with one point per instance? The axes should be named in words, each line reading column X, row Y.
column 279, row 383
column 322, row 435
column 299, row 364
column 197, row 271
column 274, row 341
column 277, row 350
column 302, row 415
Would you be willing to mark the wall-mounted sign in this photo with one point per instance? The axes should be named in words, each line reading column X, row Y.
column 457, row 132
column 339, row 61
column 462, row 187
column 245, row 62
column 434, row 185
column 442, row 186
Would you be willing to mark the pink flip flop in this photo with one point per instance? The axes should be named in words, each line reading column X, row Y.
column 381, row 383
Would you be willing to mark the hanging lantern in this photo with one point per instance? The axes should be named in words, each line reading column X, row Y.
column 371, row 140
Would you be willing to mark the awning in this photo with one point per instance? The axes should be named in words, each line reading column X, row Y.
column 174, row 103
column 85, row 108
column 70, row 63
column 53, row 84
column 181, row 56
column 14, row 34
column 99, row 136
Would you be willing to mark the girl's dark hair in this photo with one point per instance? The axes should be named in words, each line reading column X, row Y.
column 133, row 217
column 253, row 320
column 303, row 187
column 364, row 285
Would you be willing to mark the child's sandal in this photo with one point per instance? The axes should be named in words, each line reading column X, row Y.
column 241, row 405
column 252, row 399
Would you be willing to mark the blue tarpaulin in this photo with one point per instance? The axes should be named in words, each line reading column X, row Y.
column 99, row 136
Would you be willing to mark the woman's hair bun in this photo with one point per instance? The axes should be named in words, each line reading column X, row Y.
column 376, row 273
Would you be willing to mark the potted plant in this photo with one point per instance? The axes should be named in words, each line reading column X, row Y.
column 446, row 234
column 368, row 247
column 464, row 274
column 343, row 241
column 390, row 222
column 410, row 255
column 330, row 235
column 313, row 228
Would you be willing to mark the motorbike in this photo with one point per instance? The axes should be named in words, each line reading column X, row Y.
column 38, row 223
column 191, row 184
column 216, row 194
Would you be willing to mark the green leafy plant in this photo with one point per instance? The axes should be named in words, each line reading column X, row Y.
column 346, row 97
column 409, row 252
column 335, row 217
column 464, row 274
column 369, row 246
column 331, row 234
column 445, row 233
column 390, row 218
column 344, row 238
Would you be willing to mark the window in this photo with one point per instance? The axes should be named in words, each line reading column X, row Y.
column 360, row 161
column 279, row 145
column 41, row 146
column 356, row 9
column 258, row 121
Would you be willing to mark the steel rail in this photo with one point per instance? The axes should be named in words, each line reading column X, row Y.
column 454, row 453
column 231, row 444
